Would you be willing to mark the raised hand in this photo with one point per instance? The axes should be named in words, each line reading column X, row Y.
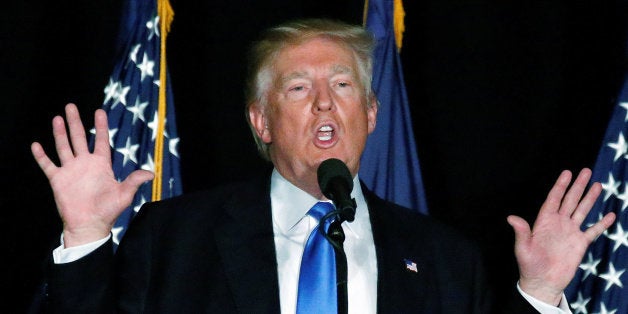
column 548, row 255
column 88, row 196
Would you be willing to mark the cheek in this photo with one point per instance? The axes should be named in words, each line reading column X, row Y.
column 359, row 121
column 293, row 117
column 287, row 127
column 359, row 130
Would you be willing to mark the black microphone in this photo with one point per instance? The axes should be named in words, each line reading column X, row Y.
column 336, row 183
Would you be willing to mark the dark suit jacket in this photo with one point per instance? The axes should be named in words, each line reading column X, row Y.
column 214, row 252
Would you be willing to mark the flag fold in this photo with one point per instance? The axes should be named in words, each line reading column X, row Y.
column 390, row 163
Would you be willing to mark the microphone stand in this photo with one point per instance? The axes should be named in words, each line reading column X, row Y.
column 336, row 184
column 337, row 237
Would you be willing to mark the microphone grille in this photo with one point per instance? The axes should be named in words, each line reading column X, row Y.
column 333, row 169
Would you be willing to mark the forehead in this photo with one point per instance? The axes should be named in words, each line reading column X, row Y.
column 316, row 54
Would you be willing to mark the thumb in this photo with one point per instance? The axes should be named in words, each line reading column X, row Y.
column 135, row 179
column 520, row 226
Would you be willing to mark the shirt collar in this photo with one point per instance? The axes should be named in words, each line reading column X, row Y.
column 290, row 204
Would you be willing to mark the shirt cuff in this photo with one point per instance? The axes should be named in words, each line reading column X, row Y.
column 61, row 255
column 544, row 308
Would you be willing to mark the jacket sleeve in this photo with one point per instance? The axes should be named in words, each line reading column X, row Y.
column 82, row 286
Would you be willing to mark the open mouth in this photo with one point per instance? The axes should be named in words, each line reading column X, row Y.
column 325, row 133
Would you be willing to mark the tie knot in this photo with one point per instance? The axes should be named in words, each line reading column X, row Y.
column 320, row 209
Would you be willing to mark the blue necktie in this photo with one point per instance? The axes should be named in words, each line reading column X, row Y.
column 317, row 279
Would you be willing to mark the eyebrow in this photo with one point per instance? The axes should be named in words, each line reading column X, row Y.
column 293, row 75
column 335, row 69
column 341, row 69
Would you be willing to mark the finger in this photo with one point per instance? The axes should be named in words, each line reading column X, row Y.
column 555, row 195
column 587, row 203
column 62, row 145
column 46, row 165
column 573, row 196
column 101, row 145
column 77, row 131
column 599, row 227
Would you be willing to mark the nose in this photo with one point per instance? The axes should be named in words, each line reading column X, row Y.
column 323, row 100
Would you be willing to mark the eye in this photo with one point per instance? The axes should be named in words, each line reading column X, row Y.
column 297, row 90
column 296, row 86
column 343, row 86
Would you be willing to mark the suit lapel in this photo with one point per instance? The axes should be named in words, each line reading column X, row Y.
column 244, row 237
column 399, row 288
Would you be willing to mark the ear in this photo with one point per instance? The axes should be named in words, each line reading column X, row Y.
column 259, row 121
column 371, row 112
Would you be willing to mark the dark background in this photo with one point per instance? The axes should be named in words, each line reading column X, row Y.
column 504, row 95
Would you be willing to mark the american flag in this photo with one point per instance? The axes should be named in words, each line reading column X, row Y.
column 598, row 286
column 137, row 98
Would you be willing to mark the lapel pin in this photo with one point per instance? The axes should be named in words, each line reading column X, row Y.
column 410, row 265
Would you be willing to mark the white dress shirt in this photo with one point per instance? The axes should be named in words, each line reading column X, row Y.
column 291, row 227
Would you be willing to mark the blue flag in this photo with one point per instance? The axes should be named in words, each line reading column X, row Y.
column 140, row 108
column 390, row 164
column 598, row 286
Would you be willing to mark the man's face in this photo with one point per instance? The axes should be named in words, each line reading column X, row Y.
column 316, row 110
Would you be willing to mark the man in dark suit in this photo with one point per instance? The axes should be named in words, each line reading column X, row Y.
column 238, row 248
